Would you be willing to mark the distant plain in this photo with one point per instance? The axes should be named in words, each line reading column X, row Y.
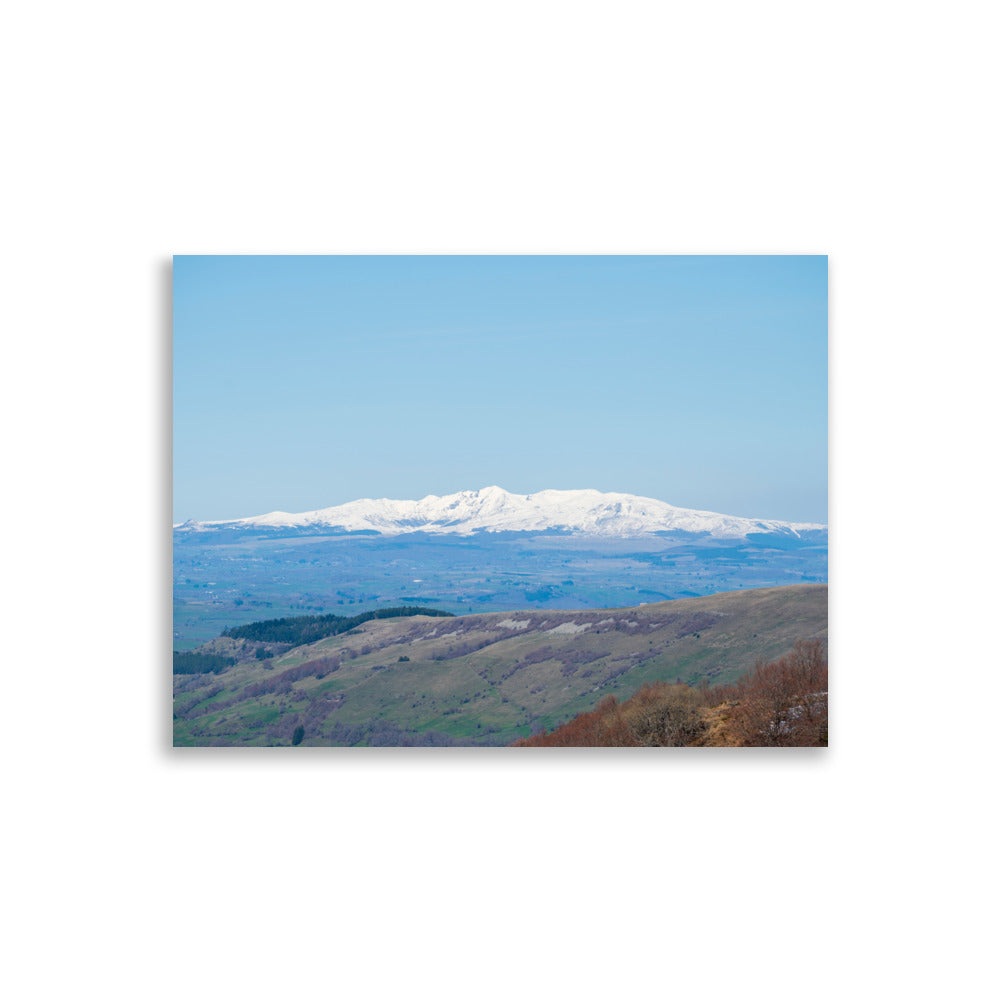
column 223, row 580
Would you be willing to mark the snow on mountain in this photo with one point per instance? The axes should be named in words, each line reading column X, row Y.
column 584, row 512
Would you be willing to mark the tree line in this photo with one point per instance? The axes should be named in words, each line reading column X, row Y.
column 310, row 628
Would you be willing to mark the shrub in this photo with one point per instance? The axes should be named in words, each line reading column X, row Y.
column 782, row 703
column 201, row 663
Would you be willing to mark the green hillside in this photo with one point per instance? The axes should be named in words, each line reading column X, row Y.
column 480, row 679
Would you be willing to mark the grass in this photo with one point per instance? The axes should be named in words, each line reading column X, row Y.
column 450, row 687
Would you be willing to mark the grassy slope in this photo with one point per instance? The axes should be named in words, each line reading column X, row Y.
column 476, row 695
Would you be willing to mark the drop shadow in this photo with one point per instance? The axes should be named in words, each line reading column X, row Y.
column 163, row 584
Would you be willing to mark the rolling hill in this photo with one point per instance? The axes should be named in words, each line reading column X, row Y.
column 480, row 679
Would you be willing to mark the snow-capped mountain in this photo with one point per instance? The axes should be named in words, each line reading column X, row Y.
column 582, row 512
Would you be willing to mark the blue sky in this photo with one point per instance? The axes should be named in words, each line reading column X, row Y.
column 303, row 382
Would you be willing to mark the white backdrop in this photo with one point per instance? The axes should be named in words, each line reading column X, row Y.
column 861, row 130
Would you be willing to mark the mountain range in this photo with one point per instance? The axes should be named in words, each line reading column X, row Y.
column 494, row 510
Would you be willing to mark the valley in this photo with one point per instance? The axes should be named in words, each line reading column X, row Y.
column 223, row 579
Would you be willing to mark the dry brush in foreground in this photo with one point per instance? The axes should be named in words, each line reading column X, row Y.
column 778, row 704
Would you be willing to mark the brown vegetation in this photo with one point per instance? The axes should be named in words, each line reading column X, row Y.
column 782, row 703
